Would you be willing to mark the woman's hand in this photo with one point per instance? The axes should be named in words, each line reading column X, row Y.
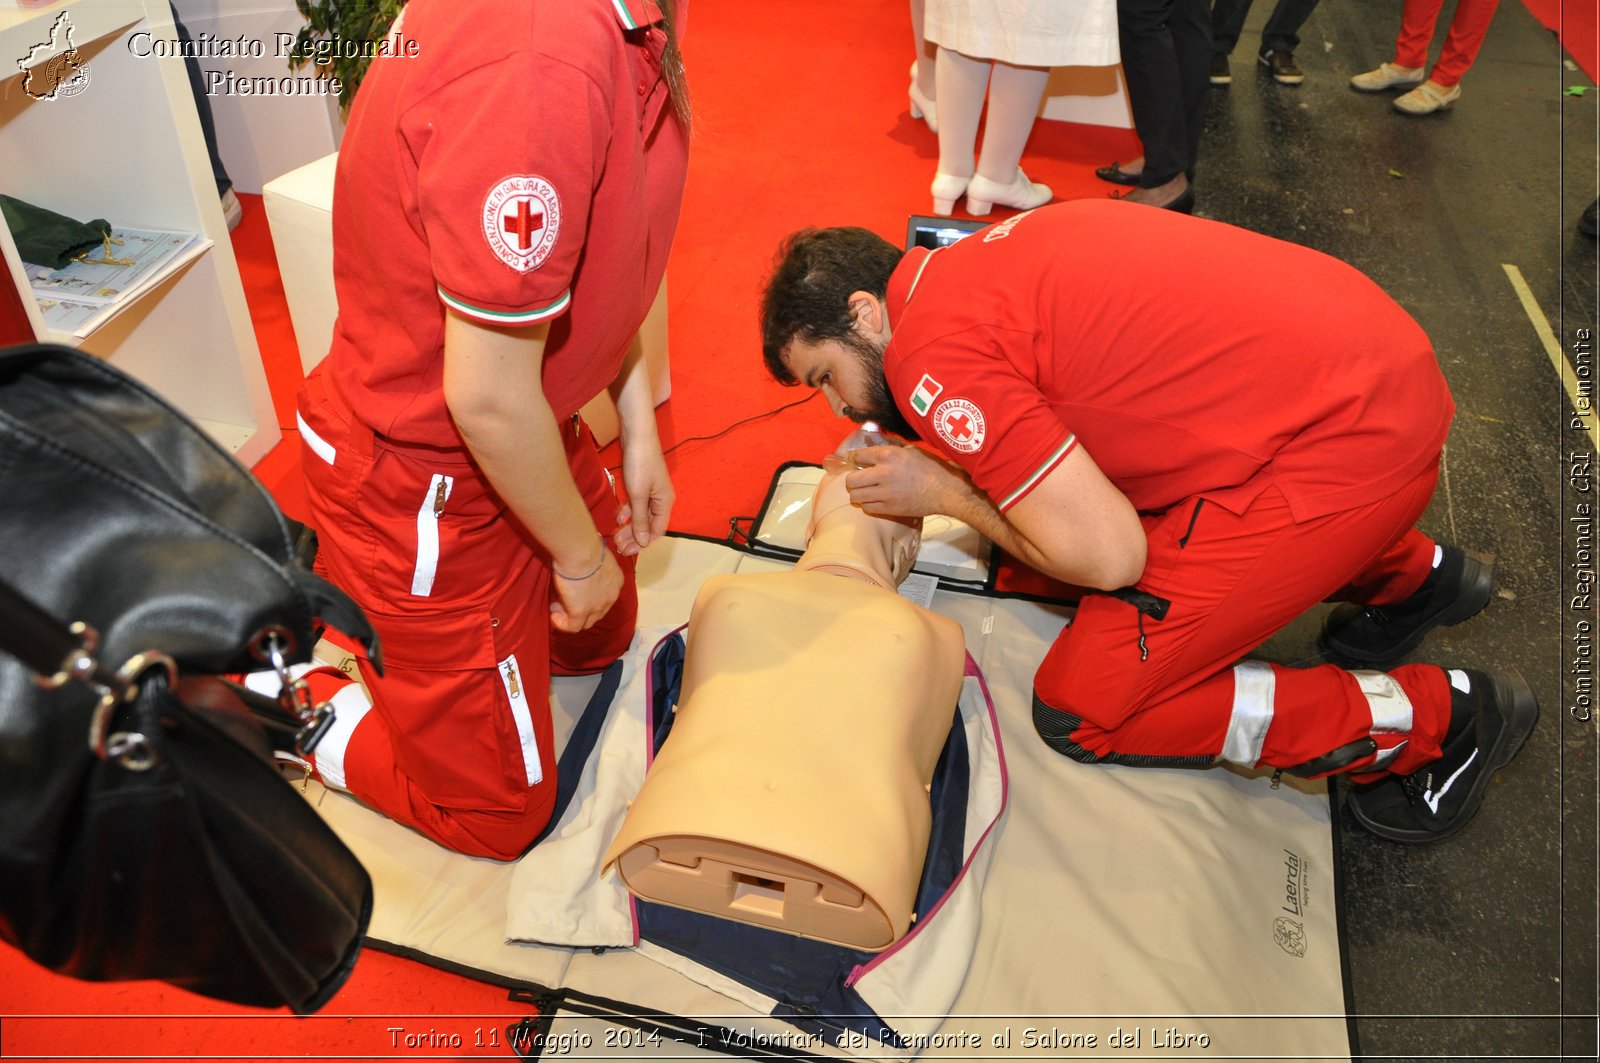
column 578, row 604
column 643, row 517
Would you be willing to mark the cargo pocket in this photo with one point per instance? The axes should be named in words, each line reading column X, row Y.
column 467, row 722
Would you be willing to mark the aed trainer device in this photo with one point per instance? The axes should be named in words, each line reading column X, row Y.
column 924, row 230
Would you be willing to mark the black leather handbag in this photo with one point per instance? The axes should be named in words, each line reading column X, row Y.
column 144, row 831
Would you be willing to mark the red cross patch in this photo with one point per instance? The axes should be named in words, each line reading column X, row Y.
column 521, row 216
column 959, row 423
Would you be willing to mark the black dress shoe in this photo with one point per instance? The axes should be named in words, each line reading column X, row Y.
column 1117, row 175
column 1184, row 204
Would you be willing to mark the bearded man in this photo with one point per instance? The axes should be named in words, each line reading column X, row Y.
column 1210, row 431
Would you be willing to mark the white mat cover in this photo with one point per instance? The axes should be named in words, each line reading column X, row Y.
column 1128, row 912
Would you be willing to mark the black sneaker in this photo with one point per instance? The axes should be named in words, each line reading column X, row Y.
column 1221, row 73
column 1490, row 722
column 1457, row 589
column 1281, row 64
column 1587, row 224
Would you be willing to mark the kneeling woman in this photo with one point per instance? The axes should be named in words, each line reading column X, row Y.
column 507, row 192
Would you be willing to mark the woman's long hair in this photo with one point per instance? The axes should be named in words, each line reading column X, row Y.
column 672, row 63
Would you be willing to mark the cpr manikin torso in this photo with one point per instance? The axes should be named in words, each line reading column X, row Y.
column 792, row 791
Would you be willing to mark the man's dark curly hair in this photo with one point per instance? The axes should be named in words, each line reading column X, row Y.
column 808, row 294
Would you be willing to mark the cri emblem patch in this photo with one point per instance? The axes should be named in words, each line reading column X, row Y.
column 521, row 216
column 959, row 423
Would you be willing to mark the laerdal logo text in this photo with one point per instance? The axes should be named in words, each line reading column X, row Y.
column 1294, row 883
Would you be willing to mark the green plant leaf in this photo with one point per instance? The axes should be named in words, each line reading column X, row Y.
column 359, row 21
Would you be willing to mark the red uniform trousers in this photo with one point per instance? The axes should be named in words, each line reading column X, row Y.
column 459, row 744
column 1147, row 690
column 1468, row 27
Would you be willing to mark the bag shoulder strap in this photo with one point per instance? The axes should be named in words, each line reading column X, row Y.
column 52, row 650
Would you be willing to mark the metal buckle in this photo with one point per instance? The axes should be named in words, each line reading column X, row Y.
column 129, row 748
column 295, row 697
column 79, row 664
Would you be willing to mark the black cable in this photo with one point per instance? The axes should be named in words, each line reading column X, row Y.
column 737, row 424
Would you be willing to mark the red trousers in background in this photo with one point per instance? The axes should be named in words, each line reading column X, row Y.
column 1467, row 29
column 458, row 743
column 1149, row 690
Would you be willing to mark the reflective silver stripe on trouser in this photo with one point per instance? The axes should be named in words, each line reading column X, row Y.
column 1254, row 686
column 1391, row 711
column 517, row 695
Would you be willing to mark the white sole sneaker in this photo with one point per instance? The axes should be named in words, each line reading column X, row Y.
column 1428, row 98
column 1387, row 76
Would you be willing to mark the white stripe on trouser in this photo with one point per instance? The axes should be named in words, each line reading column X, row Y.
column 1390, row 707
column 319, row 446
column 350, row 706
column 428, row 534
column 1254, row 686
column 517, row 695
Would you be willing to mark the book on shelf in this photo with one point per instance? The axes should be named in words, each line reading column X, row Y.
column 87, row 292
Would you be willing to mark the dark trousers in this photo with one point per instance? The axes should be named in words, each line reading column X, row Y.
column 202, row 104
column 1282, row 31
column 1166, row 57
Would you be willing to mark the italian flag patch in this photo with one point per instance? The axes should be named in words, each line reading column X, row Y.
column 926, row 391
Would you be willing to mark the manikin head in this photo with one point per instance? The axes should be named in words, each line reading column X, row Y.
column 846, row 541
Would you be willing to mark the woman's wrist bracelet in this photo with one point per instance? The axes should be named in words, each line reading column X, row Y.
column 597, row 566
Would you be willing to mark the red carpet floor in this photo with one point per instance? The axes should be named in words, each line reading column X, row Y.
column 1577, row 22
column 772, row 109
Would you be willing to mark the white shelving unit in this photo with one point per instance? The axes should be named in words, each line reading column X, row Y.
column 127, row 147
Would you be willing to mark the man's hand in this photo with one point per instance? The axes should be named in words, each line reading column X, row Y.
column 904, row 482
column 1074, row 524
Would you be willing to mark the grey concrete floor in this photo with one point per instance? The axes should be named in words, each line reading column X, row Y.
column 1482, row 946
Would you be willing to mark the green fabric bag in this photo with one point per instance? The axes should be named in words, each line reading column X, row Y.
column 46, row 238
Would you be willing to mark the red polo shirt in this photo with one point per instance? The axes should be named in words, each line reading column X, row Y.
column 1190, row 357
column 519, row 161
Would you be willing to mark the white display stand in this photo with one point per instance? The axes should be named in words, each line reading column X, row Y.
column 1091, row 95
column 300, row 211
column 261, row 137
column 127, row 147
